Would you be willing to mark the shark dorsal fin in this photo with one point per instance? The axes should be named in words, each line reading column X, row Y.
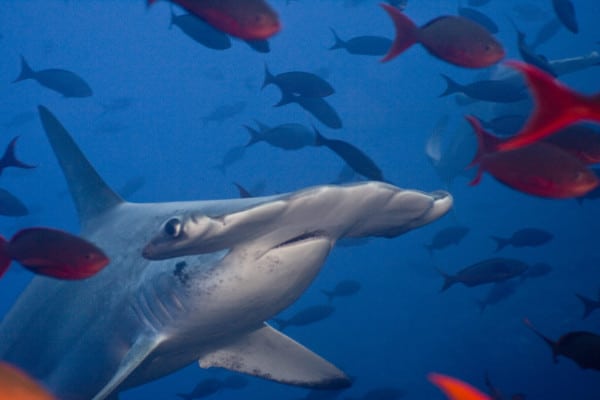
column 92, row 196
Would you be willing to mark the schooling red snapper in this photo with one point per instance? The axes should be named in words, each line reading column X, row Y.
column 456, row 40
column 245, row 19
column 53, row 253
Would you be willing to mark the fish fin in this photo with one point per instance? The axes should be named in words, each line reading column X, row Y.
column 26, row 71
column 9, row 159
column 588, row 304
column 449, row 280
column 5, row 259
column 550, row 343
column 339, row 43
column 456, row 389
column 254, row 135
column 451, row 86
column 500, row 243
column 92, row 196
column 486, row 142
column 138, row 352
column 269, row 354
column 244, row 194
column 406, row 32
column 556, row 106
column 269, row 78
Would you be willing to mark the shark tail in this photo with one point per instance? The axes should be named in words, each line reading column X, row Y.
column 26, row 71
column 589, row 305
column 4, row 257
column 339, row 43
column 500, row 243
column 451, row 86
column 9, row 159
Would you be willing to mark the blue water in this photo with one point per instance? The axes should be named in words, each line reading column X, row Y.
column 398, row 327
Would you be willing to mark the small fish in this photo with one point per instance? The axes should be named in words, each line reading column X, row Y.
column 456, row 40
column 479, row 18
column 290, row 136
column 342, row 289
column 224, row 112
column 306, row 316
column 233, row 155
column 316, row 106
column 452, row 235
column 11, row 206
column 362, row 45
column 245, row 19
column 556, row 106
column 53, row 253
column 526, row 237
column 456, row 389
column 494, row 90
column 580, row 346
column 579, row 140
column 200, row 31
column 62, row 81
column 498, row 292
column 305, row 84
column 487, row 271
column 565, row 11
column 529, row 56
column 17, row 385
column 589, row 305
column 9, row 159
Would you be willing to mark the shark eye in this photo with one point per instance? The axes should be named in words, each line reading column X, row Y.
column 173, row 227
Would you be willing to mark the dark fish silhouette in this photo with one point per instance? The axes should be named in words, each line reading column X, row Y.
column 305, row 84
column 457, row 40
column 536, row 270
column 479, row 18
column 505, row 125
column 224, row 112
column 200, row 31
column 529, row 56
column 244, row 194
column 362, row 45
column 487, row 271
column 342, row 289
column 580, row 346
column 382, row 393
column 306, row 316
column 498, row 292
column 10, row 206
column 316, row 106
column 233, row 155
column 589, row 305
column 285, row 136
column 354, row 157
column 565, row 11
column 62, row 81
column 526, row 237
column 446, row 237
column 498, row 91
column 9, row 159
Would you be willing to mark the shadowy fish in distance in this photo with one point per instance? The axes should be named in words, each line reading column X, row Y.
column 62, row 81
column 479, row 18
column 9, row 159
column 305, row 84
column 546, row 32
column 245, row 19
column 589, row 305
column 290, row 136
column 17, row 385
column 362, row 45
column 456, row 389
column 446, row 237
column 580, row 346
column 10, row 206
column 53, row 253
column 540, row 169
column 224, row 112
column 457, row 40
column 382, row 393
column 487, row 271
column 233, row 155
column 343, row 288
column 316, row 106
column 556, row 106
column 306, row 316
column 528, row 54
column 565, row 11
column 493, row 90
column 200, row 31
column 498, row 292
column 526, row 237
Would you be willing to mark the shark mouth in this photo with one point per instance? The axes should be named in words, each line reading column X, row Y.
column 304, row 237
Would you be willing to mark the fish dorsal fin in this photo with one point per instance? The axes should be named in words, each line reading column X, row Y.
column 92, row 196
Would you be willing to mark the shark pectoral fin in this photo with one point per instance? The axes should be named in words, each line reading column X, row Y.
column 142, row 347
column 269, row 354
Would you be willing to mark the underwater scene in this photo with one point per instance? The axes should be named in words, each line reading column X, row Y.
column 299, row 199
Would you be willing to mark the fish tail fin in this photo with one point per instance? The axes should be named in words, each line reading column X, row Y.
column 281, row 323
column 269, row 77
column 456, row 389
column 26, row 71
column 589, row 305
column 254, row 135
column 500, row 243
column 544, row 337
column 339, row 43
column 451, row 86
column 406, row 32
column 4, row 257
column 556, row 106
column 329, row 295
column 9, row 159
column 486, row 142
column 449, row 280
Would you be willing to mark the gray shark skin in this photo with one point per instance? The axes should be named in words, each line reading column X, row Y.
column 139, row 319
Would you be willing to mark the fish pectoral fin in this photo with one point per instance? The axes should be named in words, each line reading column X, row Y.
column 142, row 347
column 269, row 354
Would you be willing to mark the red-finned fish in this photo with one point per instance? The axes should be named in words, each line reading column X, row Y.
column 53, row 253
column 541, row 169
column 456, row 389
column 245, row 19
column 556, row 106
column 17, row 385
column 456, row 40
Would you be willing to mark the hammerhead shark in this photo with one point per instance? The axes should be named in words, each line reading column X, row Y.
column 191, row 281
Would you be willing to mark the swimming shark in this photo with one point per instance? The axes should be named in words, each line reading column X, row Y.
column 164, row 303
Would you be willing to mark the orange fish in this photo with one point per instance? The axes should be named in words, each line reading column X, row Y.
column 556, row 106
column 456, row 40
column 16, row 385
column 541, row 169
column 52, row 252
column 245, row 19
column 456, row 389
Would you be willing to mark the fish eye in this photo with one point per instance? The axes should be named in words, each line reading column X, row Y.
column 173, row 227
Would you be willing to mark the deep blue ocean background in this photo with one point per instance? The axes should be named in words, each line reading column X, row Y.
column 398, row 327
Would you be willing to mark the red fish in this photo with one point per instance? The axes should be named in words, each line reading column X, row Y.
column 16, row 385
column 245, row 19
column 456, row 40
column 556, row 106
column 53, row 253
column 541, row 169
column 456, row 389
